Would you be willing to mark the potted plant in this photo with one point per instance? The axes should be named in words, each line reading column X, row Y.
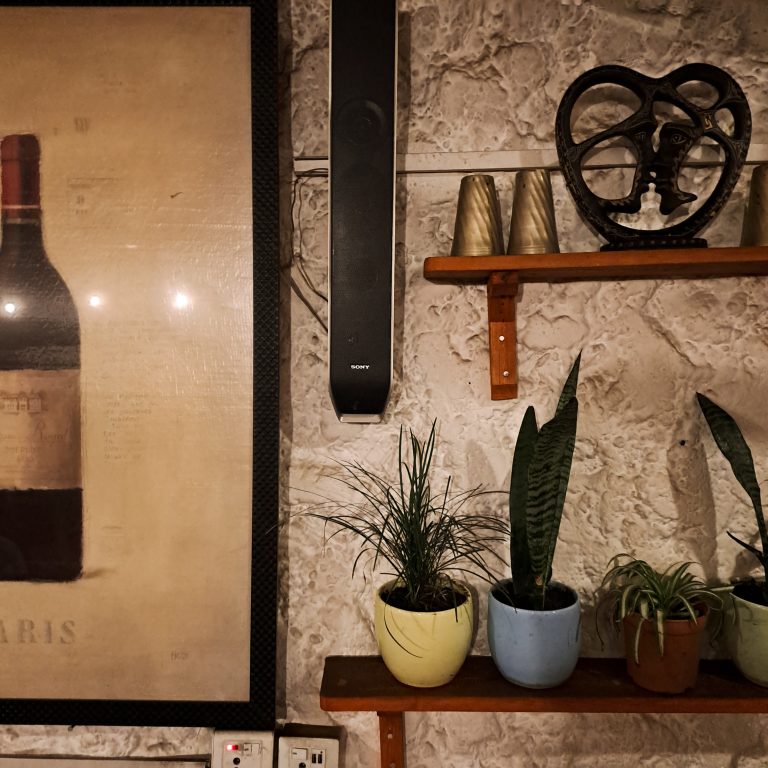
column 663, row 614
column 534, row 623
column 424, row 615
column 747, row 634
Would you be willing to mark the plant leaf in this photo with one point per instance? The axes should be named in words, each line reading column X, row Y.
column 518, row 493
column 660, row 617
column 734, row 447
column 548, row 477
column 569, row 388
column 754, row 550
column 636, row 642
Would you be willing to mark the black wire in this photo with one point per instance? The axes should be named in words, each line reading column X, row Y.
column 297, row 257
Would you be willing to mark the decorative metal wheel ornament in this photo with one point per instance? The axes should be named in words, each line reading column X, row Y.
column 660, row 148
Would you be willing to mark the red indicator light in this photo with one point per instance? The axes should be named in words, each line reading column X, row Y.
column 232, row 747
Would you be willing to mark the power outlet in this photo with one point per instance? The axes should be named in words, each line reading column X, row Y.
column 242, row 749
column 307, row 752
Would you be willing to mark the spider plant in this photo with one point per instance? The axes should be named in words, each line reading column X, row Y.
column 734, row 447
column 423, row 536
column 636, row 587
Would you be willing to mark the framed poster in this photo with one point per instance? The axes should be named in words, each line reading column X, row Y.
column 37, row 762
column 141, row 589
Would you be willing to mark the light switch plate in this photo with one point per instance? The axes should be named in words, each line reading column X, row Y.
column 307, row 752
column 242, row 749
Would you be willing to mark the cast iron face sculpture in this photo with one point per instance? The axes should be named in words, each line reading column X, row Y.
column 656, row 165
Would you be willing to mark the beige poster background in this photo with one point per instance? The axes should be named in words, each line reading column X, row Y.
column 143, row 116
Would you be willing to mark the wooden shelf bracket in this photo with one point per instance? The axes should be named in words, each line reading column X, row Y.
column 392, row 739
column 503, row 274
column 502, row 334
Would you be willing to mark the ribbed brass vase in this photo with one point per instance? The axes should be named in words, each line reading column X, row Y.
column 755, row 227
column 478, row 230
column 533, row 228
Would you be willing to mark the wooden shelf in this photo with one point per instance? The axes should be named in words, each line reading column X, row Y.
column 363, row 683
column 687, row 263
column 503, row 274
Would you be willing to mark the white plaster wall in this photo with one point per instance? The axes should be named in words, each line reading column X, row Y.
column 105, row 742
column 646, row 478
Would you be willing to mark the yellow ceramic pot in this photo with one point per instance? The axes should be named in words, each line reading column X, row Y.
column 423, row 649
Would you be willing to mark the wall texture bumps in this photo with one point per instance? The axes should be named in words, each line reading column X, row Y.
column 487, row 75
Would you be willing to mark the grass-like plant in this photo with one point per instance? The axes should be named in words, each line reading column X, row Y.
column 734, row 447
column 541, row 467
column 636, row 587
column 422, row 535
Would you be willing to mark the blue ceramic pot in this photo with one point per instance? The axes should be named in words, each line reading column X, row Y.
column 535, row 649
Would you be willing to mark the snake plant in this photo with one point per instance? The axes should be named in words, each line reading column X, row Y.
column 734, row 447
column 541, row 468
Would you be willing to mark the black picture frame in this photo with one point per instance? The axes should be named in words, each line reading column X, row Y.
column 258, row 713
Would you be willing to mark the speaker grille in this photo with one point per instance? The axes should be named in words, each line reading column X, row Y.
column 363, row 79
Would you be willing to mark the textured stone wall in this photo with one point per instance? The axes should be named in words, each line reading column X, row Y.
column 104, row 742
column 488, row 75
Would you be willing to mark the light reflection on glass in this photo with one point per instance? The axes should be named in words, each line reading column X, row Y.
column 95, row 300
column 180, row 300
column 9, row 307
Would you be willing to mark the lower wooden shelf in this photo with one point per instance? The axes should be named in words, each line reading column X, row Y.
column 363, row 683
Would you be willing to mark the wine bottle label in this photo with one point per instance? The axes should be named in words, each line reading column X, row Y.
column 40, row 429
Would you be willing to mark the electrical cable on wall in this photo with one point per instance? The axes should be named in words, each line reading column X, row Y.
column 297, row 256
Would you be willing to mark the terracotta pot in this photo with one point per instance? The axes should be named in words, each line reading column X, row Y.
column 423, row 649
column 678, row 668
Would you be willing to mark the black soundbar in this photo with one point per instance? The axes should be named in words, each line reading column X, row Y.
column 363, row 85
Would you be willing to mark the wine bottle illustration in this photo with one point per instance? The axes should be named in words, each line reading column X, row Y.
column 41, row 518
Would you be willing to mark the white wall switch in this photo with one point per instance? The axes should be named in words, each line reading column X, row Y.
column 242, row 749
column 307, row 752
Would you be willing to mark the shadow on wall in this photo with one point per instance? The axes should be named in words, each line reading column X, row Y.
column 401, row 200
column 692, row 492
column 690, row 481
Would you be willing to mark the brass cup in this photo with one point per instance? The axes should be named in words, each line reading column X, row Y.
column 478, row 231
column 533, row 228
column 754, row 230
